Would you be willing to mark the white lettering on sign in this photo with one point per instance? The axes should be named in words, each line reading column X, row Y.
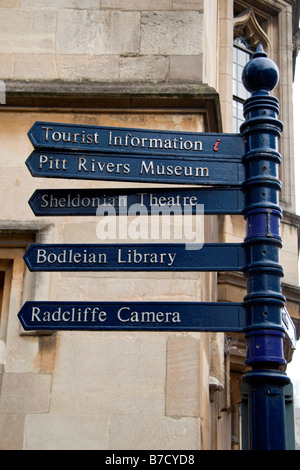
column 71, row 137
column 49, row 200
column 122, row 256
column 100, row 167
column 176, row 143
column 74, row 315
column 170, row 201
column 52, row 163
column 126, row 315
column 135, row 257
column 173, row 170
column 126, row 141
column 92, row 315
column 67, row 256
column 91, row 165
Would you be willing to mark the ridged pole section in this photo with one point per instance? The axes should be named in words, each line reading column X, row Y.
column 264, row 301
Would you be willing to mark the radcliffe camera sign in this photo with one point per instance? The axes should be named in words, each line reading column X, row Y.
column 142, row 316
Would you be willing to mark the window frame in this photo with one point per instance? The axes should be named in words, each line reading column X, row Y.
column 239, row 99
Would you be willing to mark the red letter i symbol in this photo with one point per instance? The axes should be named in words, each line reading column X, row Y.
column 216, row 145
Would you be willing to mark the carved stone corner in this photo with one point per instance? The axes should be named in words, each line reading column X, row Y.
column 246, row 24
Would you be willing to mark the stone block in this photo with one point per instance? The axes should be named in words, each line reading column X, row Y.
column 146, row 69
column 109, row 373
column 154, row 433
column 10, row 3
column 15, row 22
column 25, row 393
column 139, row 5
column 35, row 67
column 6, row 66
column 97, row 32
column 21, row 34
column 44, row 21
column 186, row 68
column 182, row 380
column 46, row 432
column 11, row 431
column 87, row 67
column 58, row 4
column 289, row 235
column 117, row 32
column 289, row 263
column 188, row 5
column 74, row 32
column 120, row 287
column 171, row 33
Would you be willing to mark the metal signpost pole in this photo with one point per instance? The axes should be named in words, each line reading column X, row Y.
column 264, row 302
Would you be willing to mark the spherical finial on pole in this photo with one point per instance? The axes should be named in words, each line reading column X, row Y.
column 260, row 74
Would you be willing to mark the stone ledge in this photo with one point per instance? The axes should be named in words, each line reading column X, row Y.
column 157, row 97
column 18, row 87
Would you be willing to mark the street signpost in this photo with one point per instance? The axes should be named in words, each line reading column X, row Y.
column 83, row 138
column 140, row 168
column 134, row 316
column 139, row 257
column 239, row 175
column 86, row 202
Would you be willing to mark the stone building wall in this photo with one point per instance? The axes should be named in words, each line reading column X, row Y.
column 102, row 41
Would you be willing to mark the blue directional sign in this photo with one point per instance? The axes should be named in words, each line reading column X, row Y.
column 85, row 202
column 138, row 316
column 139, row 257
column 100, row 166
column 83, row 138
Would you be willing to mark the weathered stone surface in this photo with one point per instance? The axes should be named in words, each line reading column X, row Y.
column 127, row 372
column 144, row 69
column 171, row 33
column 70, row 4
column 66, row 432
column 25, row 393
column 183, row 382
column 154, row 433
column 187, row 68
column 11, row 431
column 97, row 32
column 99, row 68
column 139, row 5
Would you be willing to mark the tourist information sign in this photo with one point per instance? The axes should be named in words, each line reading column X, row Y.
column 139, row 257
column 84, row 138
column 86, row 202
column 138, row 316
column 133, row 167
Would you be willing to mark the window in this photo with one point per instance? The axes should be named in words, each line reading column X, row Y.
column 241, row 55
column 248, row 33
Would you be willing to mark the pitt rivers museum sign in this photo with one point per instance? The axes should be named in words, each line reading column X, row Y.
column 100, row 153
